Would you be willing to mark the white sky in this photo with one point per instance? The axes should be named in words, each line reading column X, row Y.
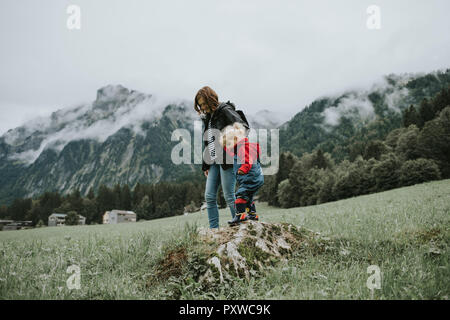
column 276, row 55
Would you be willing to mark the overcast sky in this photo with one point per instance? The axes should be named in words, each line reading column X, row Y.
column 276, row 55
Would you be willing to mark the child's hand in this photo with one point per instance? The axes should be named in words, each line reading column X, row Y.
column 240, row 172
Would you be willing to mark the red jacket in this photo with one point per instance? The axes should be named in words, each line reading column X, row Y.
column 247, row 152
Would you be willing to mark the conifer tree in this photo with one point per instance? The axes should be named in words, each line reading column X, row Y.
column 410, row 116
column 426, row 112
column 125, row 198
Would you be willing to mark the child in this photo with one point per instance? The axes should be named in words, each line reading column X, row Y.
column 247, row 168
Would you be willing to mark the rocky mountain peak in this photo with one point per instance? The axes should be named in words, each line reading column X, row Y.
column 111, row 92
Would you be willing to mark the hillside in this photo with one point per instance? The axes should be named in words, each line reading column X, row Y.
column 405, row 232
column 335, row 124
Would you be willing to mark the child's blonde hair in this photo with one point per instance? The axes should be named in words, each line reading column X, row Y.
column 232, row 134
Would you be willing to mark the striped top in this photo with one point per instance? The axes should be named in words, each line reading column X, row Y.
column 212, row 150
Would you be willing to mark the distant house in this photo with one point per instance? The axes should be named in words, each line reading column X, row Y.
column 118, row 216
column 14, row 225
column 4, row 223
column 59, row 219
column 190, row 208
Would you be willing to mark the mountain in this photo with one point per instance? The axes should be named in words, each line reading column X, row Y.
column 124, row 137
column 338, row 124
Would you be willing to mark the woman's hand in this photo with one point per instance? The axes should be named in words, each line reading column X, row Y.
column 240, row 172
column 205, row 173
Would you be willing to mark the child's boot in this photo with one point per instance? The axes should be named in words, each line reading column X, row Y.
column 241, row 213
column 252, row 212
column 238, row 218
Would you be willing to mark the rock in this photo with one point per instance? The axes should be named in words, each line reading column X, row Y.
column 250, row 248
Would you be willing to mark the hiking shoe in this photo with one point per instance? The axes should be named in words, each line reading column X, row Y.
column 253, row 216
column 238, row 219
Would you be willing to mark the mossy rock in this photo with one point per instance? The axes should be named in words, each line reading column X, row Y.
column 253, row 246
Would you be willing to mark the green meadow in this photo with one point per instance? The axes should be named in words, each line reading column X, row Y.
column 405, row 232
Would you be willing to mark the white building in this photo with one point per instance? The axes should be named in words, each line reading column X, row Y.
column 59, row 219
column 118, row 216
column 203, row 207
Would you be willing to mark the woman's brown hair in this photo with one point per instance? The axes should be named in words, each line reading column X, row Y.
column 210, row 97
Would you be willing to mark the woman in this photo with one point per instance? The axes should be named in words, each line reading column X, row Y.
column 216, row 115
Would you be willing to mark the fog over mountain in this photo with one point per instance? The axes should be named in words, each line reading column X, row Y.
column 125, row 136
column 338, row 123
column 357, row 103
column 115, row 107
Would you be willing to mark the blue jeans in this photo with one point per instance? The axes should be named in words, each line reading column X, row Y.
column 228, row 178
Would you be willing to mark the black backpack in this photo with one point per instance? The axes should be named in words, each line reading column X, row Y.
column 240, row 113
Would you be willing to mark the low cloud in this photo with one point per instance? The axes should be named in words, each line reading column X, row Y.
column 86, row 122
column 356, row 104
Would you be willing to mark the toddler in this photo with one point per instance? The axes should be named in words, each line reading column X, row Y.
column 247, row 169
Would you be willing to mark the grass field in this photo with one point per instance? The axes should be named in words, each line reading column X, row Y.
column 406, row 232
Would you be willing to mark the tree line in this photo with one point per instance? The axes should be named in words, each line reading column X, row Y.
column 415, row 153
column 148, row 201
